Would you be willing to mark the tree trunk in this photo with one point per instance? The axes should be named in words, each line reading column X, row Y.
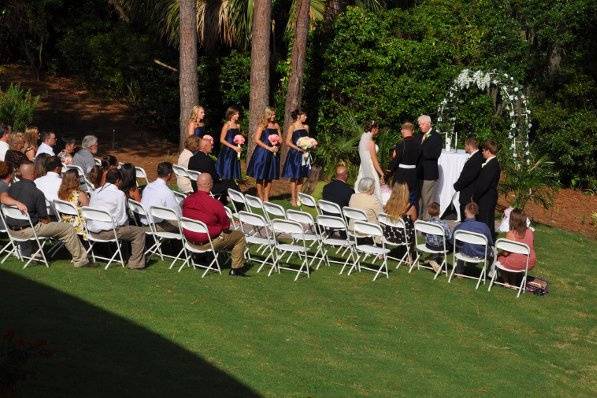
column 297, row 66
column 260, row 53
column 187, row 78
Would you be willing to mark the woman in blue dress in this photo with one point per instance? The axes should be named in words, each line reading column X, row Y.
column 195, row 125
column 264, row 165
column 228, row 163
column 295, row 168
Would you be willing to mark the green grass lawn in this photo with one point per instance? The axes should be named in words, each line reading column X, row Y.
column 159, row 332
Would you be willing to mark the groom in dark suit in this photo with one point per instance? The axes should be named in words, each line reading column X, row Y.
column 485, row 194
column 470, row 172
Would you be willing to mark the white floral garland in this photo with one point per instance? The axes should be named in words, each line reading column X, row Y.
column 511, row 93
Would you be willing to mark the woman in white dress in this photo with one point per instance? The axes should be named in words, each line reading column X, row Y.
column 369, row 163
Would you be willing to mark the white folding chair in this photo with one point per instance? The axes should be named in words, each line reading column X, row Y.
column 15, row 214
column 66, row 208
column 329, row 208
column 385, row 220
column 180, row 197
column 180, row 171
column 471, row 238
column 99, row 215
column 165, row 214
column 98, row 162
column 425, row 227
column 273, row 211
column 310, row 233
column 264, row 241
column 329, row 225
column 75, row 167
column 89, row 187
column 297, row 246
column 375, row 250
column 307, row 200
column 140, row 174
column 193, row 175
column 9, row 248
column 254, row 204
column 233, row 223
column 198, row 227
column 511, row 247
column 237, row 200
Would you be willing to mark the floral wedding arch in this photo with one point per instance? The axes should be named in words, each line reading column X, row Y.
column 512, row 96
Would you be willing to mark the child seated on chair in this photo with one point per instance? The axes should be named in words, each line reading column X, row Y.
column 470, row 224
column 435, row 242
column 518, row 232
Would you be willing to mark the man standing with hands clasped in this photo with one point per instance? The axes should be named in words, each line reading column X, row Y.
column 427, row 170
column 466, row 182
column 485, row 194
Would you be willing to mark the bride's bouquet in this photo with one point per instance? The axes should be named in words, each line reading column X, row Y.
column 306, row 143
column 238, row 140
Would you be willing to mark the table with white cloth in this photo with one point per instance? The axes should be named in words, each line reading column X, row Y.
column 450, row 165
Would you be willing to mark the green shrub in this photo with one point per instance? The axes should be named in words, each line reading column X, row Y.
column 17, row 107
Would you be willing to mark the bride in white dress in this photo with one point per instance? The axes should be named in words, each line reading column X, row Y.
column 369, row 163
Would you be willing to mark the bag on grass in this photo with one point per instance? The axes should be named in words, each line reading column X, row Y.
column 537, row 286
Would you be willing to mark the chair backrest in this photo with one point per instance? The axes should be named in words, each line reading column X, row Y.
column 429, row 228
column 300, row 217
column 473, row 238
column 350, row 213
column 307, row 200
column 98, row 162
column 193, row 175
column 512, row 246
column 137, row 208
column 15, row 214
column 94, row 214
column 63, row 207
column 385, row 219
column 196, row 226
column 292, row 228
column 253, row 202
column 273, row 209
column 164, row 213
column 89, row 187
column 252, row 219
column 331, row 222
column 367, row 228
column 75, row 167
column 179, row 197
column 229, row 214
column 180, row 171
column 325, row 206
column 140, row 173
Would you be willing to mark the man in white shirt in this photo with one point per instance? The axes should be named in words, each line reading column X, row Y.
column 111, row 199
column 157, row 193
column 4, row 136
column 50, row 183
column 47, row 144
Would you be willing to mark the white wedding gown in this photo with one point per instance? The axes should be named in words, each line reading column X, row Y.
column 366, row 168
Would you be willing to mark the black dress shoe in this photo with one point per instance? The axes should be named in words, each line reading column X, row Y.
column 237, row 272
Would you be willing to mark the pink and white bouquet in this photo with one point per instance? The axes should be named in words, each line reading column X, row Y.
column 275, row 140
column 238, row 140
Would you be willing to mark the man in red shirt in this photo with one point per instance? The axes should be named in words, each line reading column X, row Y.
column 200, row 206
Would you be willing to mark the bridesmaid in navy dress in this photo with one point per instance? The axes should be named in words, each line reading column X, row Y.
column 195, row 125
column 294, row 168
column 264, row 165
column 228, row 163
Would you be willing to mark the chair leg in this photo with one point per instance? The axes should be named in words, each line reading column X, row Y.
column 415, row 263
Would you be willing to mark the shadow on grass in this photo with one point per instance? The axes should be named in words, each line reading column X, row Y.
column 91, row 352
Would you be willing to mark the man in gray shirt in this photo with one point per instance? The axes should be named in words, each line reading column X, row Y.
column 84, row 156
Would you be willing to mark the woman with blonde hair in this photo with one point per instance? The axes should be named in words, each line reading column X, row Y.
column 264, row 165
column 16, row 154
column 31, row 139
column 195, row 125
column 70, row 191
column 400, row 207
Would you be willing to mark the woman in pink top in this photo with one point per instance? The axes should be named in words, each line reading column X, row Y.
column 520, row 233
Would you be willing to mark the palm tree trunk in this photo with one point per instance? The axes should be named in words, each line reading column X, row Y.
column 260, row 53
column 297, row 66
column 187, row 78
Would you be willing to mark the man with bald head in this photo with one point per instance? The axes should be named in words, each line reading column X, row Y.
column 202, row 207
column 27, row 193
column 337, row 190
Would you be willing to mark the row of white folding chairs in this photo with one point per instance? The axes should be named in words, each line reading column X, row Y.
column 181, row 171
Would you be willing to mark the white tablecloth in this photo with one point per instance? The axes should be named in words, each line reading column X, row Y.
column 450, row 166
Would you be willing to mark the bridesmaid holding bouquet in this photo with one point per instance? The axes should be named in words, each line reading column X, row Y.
column 228, row 163
column 264, row 165
column 296, row 167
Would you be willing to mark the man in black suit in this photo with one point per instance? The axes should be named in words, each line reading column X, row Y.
column 405, row 157
column 485, row 192
column 204, row 163
column 466, row 182
column 337, row 190
column 427, row 170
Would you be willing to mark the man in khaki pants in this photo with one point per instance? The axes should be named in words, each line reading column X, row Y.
column 27, row 193
column 427, row 170
column 200, row 206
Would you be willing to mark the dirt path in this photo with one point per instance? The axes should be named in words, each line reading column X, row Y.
column 72, row 111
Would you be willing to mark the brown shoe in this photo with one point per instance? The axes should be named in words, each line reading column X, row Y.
column 434, row 265
column 81, row 264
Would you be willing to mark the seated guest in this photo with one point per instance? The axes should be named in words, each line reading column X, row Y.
column 111, row 199
column 66, row 155
column 39, row 165
column 4, row 146
column 157, row 193
column 6, row 172
column 84, row 158
column 470, row 224
column 50, row 183
column 337, row 190
column 31, row 141
column 16, row 154
column 47, row 146
column 191, row 145
column 400, row 206
column 26, row 192
column 203, row 163
column 435, row 242
column 129, row 182
column 366, row 200
column 519, row 232
column 70, row 191
column 200, row 206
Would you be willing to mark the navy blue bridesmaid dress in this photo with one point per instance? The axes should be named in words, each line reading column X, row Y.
column 200, row 131
column 228, row 164
column 264, row 165
column 293, row 168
